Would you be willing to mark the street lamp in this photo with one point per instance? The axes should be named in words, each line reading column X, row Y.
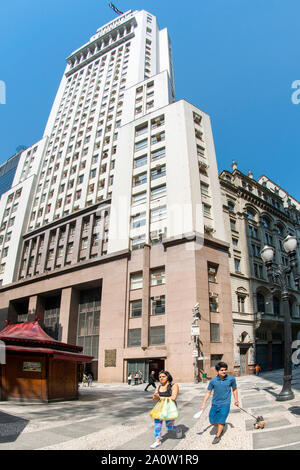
column 279, row 273
column 195, row 334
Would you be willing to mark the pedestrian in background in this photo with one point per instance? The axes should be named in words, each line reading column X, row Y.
column 89, row 379
column 221, row 385
column 257, row 369
column 129, row 379
column 136, row 378
column 151, row 380
column 141, row 376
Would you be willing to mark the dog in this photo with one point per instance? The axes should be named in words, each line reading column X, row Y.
column 260, row 423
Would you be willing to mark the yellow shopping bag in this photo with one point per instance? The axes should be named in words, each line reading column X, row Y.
column 155, row 412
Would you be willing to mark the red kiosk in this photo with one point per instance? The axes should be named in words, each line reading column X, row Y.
column 37, row 366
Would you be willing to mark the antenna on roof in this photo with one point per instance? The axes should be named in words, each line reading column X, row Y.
column 115, row 9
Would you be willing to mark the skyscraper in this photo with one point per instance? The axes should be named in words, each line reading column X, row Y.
column 119, row 231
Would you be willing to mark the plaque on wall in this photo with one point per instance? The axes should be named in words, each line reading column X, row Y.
column 32, row 366
column 110, row 358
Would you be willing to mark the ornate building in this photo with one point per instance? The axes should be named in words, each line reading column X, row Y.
column 258, row 213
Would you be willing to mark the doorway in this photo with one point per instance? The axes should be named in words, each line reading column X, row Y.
column 157, row 365
column 243, row 361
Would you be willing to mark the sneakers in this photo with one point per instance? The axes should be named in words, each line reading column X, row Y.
column 216, row 440
column 155, row 444
column 179, row 433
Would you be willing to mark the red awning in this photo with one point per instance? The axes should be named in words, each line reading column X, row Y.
column 56, row 354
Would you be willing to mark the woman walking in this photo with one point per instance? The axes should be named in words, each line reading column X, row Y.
column 169, row 390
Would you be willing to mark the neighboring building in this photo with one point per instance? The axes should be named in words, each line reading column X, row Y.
column 120, row 231
column 255, row 216
column 8, row 169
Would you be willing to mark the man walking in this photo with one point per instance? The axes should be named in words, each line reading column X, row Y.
column 221, row 385
column 151, row 380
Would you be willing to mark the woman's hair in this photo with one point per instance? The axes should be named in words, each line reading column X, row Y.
column 169, row 376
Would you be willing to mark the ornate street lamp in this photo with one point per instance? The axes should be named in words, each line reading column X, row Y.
column 279, row 274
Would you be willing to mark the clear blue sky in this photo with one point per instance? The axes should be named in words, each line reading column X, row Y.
column 234, row 59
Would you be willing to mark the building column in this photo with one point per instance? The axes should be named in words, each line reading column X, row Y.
column 145, row 297
column 36, row 308
column 77, row 240
column 45, row 251
column 68, row 315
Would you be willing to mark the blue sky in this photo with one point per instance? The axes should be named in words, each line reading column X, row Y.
column 234, row 59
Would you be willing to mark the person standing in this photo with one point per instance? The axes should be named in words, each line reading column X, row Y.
column 257, row 369
column 221, row 385
column 141, row 376
column 136, row 378
column 151, row 380
column 166, row 389
column 89, row 379
column 129, row 379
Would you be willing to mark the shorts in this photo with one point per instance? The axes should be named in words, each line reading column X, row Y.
column 218, row 414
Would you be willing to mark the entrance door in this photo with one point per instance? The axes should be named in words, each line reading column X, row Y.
column 262, row 356
column 157, row 365
column 277, row 356
column 243, row 361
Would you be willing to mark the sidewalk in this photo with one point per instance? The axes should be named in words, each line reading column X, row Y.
column 116, row 417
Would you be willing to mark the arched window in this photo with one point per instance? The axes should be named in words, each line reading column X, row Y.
column 250, row 214
column 279, row 229
column 266, row 222
column 261, row 306
column 276, row 305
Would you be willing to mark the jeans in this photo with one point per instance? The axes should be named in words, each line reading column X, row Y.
column 158, row 425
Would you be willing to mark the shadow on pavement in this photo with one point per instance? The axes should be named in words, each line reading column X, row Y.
column 19, row 424
column 295, row 410
column 171, row 435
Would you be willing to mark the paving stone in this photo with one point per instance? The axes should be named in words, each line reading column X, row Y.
column 271, row 423
column 268, row 410
column 269, row 439
column 292, row 447
column 32, row 440
column 255, row 402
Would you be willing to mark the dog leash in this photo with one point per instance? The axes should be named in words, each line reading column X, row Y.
column 255, row 417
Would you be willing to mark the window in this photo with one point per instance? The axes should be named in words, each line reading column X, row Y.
column 158, row 192
column 212, row 273
column 213, row 302
column 200, row 151
column 138, row 220
column 136, row 281
column 253, row 232
column 140, row 161
column 158, row 172
column 158, row 305
column 158, row 277
column 141, row 145
column 138, row 242
column 139, row 198
column 230, row 206
column 237, row 265
column 269, row 239
column 157, row 154
column 136, row 308
column 157, row 335
column 134, row 337
column 265, row 222
column 214, row 333
column 258, row 270
column 235, row 242
column 158, row 214
column 250, row 214
column 206, row 210
column 233, row 224
column 141, row 129
column 261, row 307
column 241, row 303
column 140, row 179
column 157, row 122
column 214, row 359
column 158, row 137
column 276, row 305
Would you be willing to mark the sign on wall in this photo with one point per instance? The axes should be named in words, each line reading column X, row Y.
column 110, row 358
column 32, row 366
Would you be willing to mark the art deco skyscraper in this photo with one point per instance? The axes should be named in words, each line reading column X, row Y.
column 119, row 208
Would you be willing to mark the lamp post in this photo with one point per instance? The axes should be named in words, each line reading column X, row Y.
column 195, row 334
column 279, row 273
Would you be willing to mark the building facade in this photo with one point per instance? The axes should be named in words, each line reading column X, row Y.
column 256, row 214
column 113, row 229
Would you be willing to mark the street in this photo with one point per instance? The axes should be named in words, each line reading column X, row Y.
column 116, row 417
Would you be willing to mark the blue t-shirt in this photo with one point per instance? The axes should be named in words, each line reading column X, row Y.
column 222, row 389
